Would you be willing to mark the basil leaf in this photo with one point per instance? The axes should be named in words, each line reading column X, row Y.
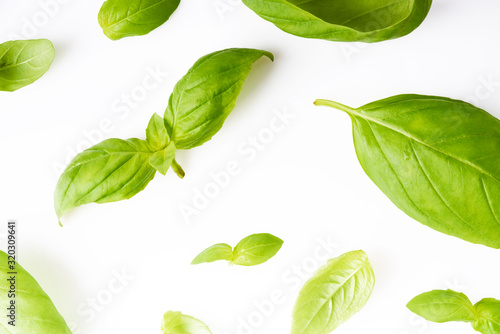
column 161, row 160
column 156, row 133
column 110, row 171
column 443, row 306
column 343, row 20
column 488, row 311
column 436, row 158
column 124, row 18
column 23, row 62
column 215, row 253
column 35, row 312
column 335, row 293
column 256, row 249
column 251, row 251
column 205, row 96
column 178, row 323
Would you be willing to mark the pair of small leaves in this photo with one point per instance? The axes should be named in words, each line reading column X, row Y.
column 178, row 323
column 436, row 159
column 117, row 169
column 335, row 293
column 448, row 305
column 124, row 18
column 344, row 20
column 251, row 251
column 35, row 312
column 23, row 62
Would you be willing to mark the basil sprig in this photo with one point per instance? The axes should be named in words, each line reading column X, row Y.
column 117, row 169
column 436, row 158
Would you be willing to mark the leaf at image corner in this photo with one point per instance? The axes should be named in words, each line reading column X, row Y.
column 206, row 95
column 36, row 312
column 336, row 292
column 443, row 306
column 344, row 20
column 178, row 323
column 23, row 62
column 256, row 249
column 488, row 311
column 124, row 18
column 213, row 253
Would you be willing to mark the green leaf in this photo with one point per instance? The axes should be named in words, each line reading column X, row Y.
column 204, row 97
column 215, row 253
column 344, row 20
column 35, row 312
column 156, row 133
column 23, row 62
column 162, row 160
column 335, row 293
column 178, row 323
column 488, row 311
column 251, row 251
column 443, row 306
column 110, row 171
column 256, row 249
column 124, row 18
column 436, row 158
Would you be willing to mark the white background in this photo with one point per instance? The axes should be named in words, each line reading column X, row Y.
column 304, row 184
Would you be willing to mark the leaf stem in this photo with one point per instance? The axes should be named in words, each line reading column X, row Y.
column 178, row 169
column 336, row 105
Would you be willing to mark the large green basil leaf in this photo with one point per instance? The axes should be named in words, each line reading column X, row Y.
column 488, row 311
column 443, row 306
column 178, row 323
column 123, row 18
column 204, row 97
column 24, row 62
column 336, row 292
column 110, row 171
column 436, row 158
column 35, row 312
column 344, row 20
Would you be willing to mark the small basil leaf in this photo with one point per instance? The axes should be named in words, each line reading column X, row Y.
column 110, row 171
column 124, row 18
column 256, row 249
column 178, row 323
column 488, row 311
column 436, row 159
column 443, row 306
column 204, row 97
column 156, row 133
column 215, row 253
column 336, row 292
column 343, row 20
column 35, row 311
column 24, row 62
column 161, row 160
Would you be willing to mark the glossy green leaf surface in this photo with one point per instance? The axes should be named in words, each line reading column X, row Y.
column 204, row 97
column 436, row 158
column 213, row 253
column 447, row 305
column 23, row 62
column 124, row 18
column 178, row 323
column 250, row 251
column 35, row 312
column 112, row 170
column 344, row 20
column 443, row 306
column 335, row 293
